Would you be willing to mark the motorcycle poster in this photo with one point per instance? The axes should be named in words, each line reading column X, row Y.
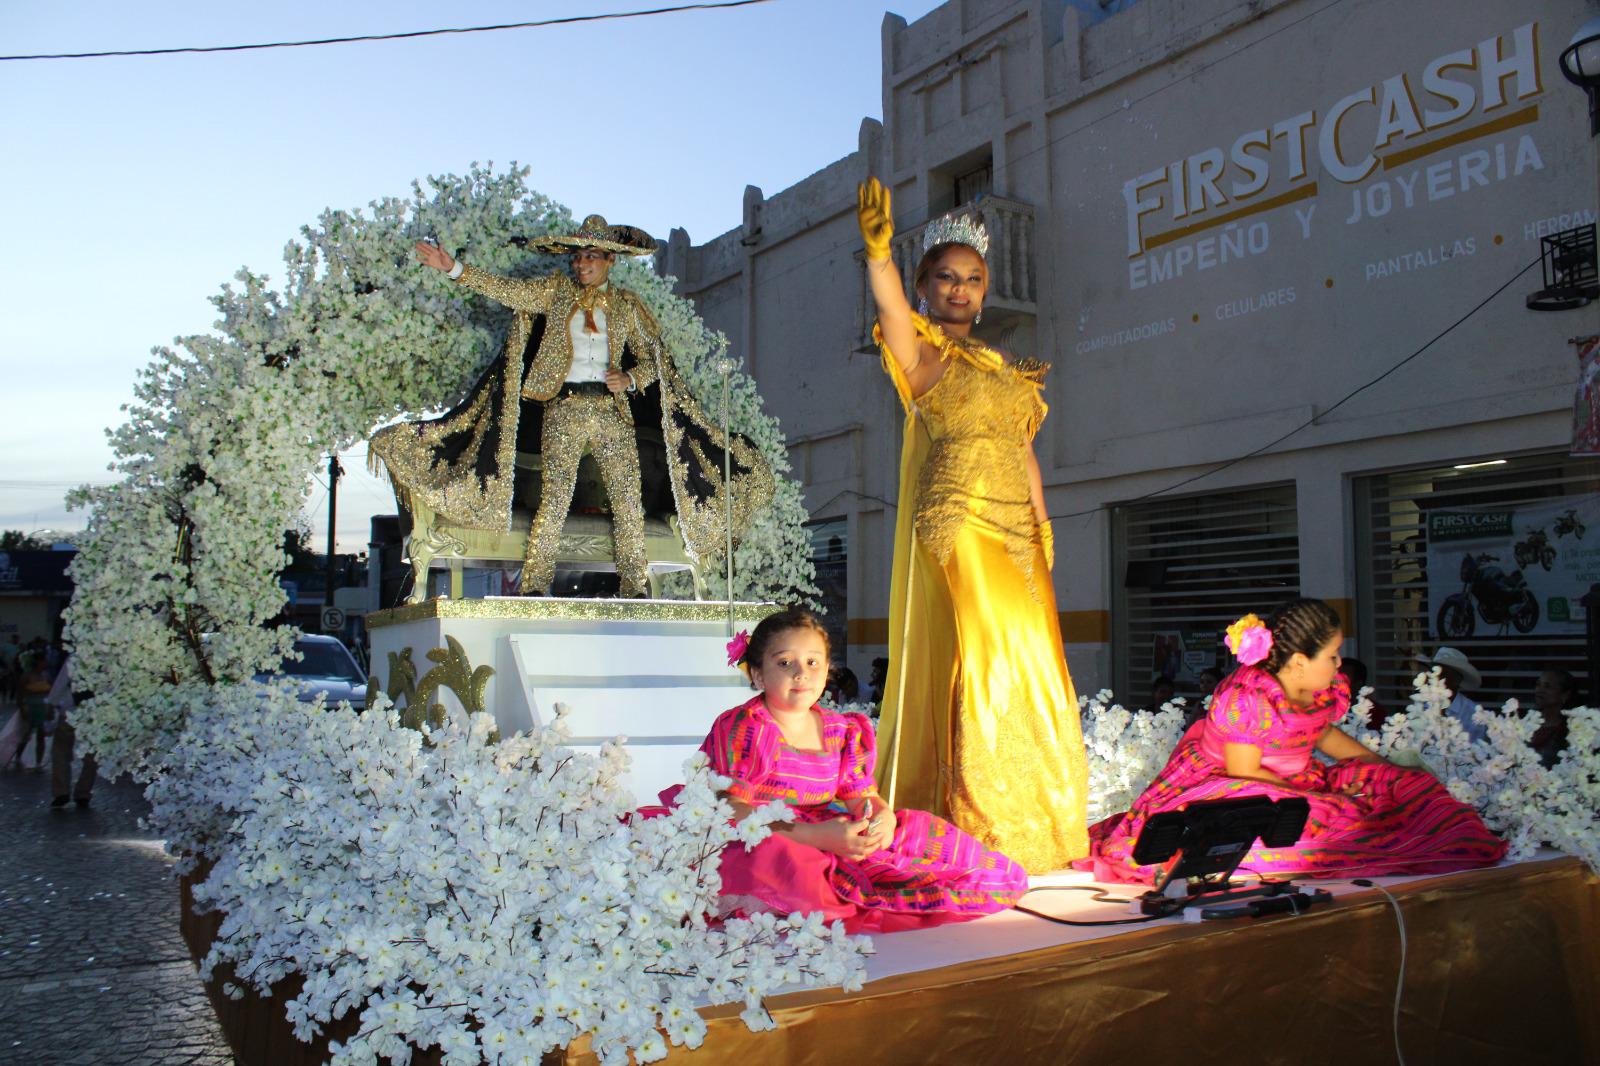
column 1183, row 655
column 1512, row 569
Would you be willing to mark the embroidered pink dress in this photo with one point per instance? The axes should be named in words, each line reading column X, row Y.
column 1404, row 822
column 931, row 872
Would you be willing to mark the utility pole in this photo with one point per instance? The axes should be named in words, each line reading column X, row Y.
column 334, row 470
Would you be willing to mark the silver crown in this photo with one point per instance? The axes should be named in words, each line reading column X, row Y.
column 957, row 229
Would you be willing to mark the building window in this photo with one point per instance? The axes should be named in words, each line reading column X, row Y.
column 830, row 554
column 1185, row 569
column 960, row 183
column 1492, row 558
column 974, row 184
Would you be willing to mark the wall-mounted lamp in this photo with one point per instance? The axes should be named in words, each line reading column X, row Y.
column 1580, row 62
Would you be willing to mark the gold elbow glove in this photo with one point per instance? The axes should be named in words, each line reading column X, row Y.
column 1047, row 541
column 872, row 215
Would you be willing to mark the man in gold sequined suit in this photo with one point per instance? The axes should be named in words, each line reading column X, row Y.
column 583, row 370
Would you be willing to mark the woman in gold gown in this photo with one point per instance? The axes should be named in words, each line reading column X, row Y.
column 980, row 721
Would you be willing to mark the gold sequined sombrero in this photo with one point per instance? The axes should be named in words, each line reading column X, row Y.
column 595, row 232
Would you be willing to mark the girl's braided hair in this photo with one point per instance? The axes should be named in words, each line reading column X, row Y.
column 1302, row 626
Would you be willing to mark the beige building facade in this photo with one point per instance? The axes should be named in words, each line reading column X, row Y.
column 1231, row 227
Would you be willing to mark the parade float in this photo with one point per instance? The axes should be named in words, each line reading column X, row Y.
column 452, row 873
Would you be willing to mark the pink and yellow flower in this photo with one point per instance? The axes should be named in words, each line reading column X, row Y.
column 1249, row 639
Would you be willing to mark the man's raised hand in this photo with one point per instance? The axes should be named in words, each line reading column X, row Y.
column 431, row 255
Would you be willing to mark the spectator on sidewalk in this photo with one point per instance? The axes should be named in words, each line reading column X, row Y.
column 32, row 687
column 1458, row 674
column 843, row 686
column 878, row 679
column 1355, row 671
column 10, row 653
column 63, row 701
column 1162, row 689
column 1555, row 693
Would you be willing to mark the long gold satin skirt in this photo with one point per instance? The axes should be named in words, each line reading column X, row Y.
column 981, row 720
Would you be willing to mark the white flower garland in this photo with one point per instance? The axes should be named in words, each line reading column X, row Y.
column 489, row 899
column 1527, row 803
column 1126, row 749
column 495, row 900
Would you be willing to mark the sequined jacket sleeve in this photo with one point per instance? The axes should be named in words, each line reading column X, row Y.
column 644, row 339
column 533, row 295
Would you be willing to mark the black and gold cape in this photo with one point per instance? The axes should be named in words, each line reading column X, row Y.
column 462, row 464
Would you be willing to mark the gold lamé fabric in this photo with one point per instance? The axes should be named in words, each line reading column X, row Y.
column 462, row 464
column 1503, row 969
column 629, row 325
column 980, row 417
column 980, row 721
column 574, row 425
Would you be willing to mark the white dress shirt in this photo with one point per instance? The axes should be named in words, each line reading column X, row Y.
column 591, row 352
column 591, row 355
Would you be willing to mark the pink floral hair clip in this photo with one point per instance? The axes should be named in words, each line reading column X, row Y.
column 1249, row 639
column 738, row 646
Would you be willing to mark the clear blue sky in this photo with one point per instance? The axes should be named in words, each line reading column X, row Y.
column 135, row 187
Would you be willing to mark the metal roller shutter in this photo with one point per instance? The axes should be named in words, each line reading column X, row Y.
column 1396, row 618
column 1183, row 569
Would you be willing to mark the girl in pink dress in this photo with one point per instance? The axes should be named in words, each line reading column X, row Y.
column 843, row 852
column 1368, row 816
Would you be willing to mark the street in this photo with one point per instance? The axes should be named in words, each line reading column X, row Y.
column 92, row 967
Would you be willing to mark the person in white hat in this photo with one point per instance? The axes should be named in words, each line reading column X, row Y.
column 1457, row 673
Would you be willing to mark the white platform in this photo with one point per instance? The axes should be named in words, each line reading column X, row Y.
column 654, row 671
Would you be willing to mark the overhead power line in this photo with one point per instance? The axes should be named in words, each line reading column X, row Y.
column 1315, row 418
column 50, row 483
column 563, row 21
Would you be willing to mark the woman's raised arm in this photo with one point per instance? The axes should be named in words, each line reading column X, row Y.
column 888, row 288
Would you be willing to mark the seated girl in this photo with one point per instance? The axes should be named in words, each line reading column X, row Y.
column 1368, row 816
column 843, row 852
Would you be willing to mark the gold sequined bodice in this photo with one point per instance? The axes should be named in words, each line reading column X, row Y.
column 980, row 418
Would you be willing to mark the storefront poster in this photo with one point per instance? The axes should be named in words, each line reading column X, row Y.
column 1183, row 655
column 1518, row 569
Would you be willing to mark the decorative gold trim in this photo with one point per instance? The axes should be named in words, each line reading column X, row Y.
column 549, row 607
column 453, row 671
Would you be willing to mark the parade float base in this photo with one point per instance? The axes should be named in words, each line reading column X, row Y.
column 654, row 671
column 1503, row 967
